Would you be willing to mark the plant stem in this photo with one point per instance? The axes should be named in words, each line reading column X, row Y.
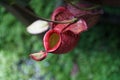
column 60, row 22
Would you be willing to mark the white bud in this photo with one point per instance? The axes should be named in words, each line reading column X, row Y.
column 38, row 27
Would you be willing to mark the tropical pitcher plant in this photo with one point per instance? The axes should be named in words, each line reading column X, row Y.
column 64, row 29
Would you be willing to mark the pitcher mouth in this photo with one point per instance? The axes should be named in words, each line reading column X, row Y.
column 52, row 40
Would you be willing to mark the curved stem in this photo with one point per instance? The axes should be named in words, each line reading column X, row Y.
column 29, row 14
column 60, row 22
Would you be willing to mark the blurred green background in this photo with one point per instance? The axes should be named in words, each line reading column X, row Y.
column 96, row 57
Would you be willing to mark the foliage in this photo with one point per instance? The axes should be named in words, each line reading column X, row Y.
column 97, row 54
